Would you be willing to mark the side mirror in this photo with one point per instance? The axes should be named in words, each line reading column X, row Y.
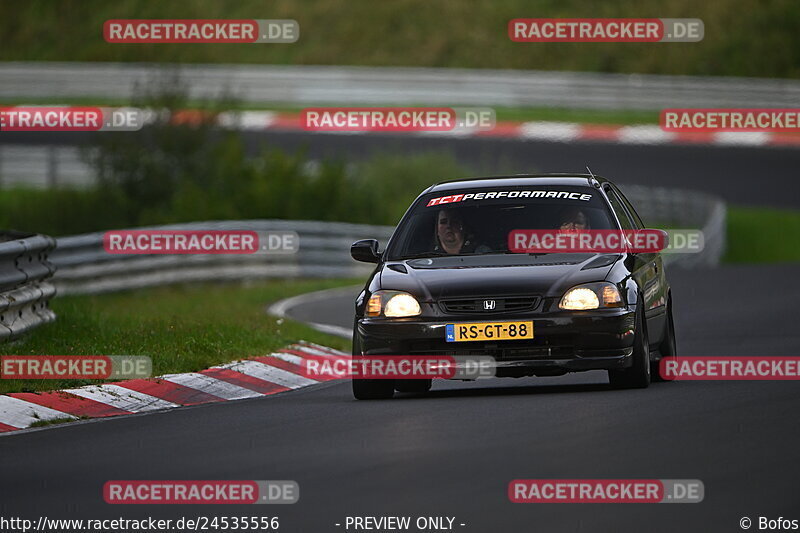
column 647, row 240
column 665, row 236
column 365, row 251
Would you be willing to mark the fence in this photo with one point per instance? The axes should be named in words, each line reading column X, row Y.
column 85, row 267
column 304, row 85
column 44, row 166
column 24, row 291
column 684, row 209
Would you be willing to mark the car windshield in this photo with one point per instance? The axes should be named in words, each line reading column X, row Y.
column 478, row 221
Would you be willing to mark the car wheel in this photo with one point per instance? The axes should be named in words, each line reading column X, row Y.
column 419, row 386
column 370, row 389
column 638, row 375
column 667, row 346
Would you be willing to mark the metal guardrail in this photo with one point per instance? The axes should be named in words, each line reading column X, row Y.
column 305, row 85
column 44, row 166
column 683, row 209
column 85, row 267
column 24, row 291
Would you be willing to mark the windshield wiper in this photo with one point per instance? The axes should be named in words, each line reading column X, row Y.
column 420, row 256
column 531, row 254
column 440, row 254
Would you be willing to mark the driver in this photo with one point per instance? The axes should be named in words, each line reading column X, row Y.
column 451, row 236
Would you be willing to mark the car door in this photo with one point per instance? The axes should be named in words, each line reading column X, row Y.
column 647, row 268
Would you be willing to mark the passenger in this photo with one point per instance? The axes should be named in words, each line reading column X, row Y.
column 573, row 218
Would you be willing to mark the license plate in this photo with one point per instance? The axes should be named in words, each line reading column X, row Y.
column 488, row 331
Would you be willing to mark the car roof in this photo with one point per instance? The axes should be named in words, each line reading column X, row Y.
column 579, row 180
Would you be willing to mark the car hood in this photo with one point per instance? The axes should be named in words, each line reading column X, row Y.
column 436, row 278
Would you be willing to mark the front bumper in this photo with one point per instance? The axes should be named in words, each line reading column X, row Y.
column 563, row 341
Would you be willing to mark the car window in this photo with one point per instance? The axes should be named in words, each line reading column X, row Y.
column 619, row 209
column 479, row 221
column 634, row 215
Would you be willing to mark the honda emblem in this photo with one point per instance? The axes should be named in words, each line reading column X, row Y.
column 488, row 305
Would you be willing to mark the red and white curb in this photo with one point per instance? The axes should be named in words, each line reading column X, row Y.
column 551, row 131
column 643, row 134
column 260, row 376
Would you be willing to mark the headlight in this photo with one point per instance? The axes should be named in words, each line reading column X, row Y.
column 591, row 296
column 394, row 304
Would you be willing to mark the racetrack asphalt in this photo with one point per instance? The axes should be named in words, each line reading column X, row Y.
column 454, row 452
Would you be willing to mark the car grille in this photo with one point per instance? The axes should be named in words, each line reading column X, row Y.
column 508, row 351
column 500, row 305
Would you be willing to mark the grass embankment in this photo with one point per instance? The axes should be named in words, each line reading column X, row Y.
column 759, row 235
column 445, row 33
column 182, row 328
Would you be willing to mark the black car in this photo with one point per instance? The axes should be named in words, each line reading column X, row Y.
column 448, row 267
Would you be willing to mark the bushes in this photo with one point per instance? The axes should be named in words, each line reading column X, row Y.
column 57, row 211
column 142, row 183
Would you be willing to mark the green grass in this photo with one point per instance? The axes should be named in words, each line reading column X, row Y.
column 584, row 116
column 442, row 33
column 182, row 328
column 759, row 235
column 53, row 422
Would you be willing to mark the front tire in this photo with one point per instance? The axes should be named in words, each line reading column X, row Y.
column 369, row 389
column 373, row 389
column 638, row 375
